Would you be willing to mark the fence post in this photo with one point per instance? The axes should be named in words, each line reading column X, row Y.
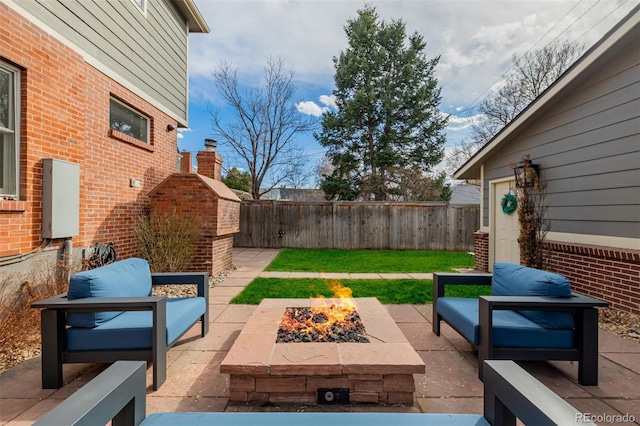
column 274, row 224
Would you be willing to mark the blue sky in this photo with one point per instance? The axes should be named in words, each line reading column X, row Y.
column 476, row 41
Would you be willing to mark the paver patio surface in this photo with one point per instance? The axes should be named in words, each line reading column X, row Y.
column 194, row 381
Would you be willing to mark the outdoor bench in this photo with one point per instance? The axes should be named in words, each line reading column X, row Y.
column 531, row 315
column 109, row 314
column 119, row 393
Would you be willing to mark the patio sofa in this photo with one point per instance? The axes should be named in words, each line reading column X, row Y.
column 109, row 314
column 118, row 395
column 531, row 315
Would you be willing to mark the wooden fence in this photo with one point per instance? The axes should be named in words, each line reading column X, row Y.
column 357, row 225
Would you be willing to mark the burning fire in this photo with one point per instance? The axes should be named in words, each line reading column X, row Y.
column 324, row 321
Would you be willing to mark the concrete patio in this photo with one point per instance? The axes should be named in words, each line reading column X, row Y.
column 194, row 381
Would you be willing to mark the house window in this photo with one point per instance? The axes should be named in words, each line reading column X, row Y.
column 9, row 138
column 128, row 121
column 142, row 4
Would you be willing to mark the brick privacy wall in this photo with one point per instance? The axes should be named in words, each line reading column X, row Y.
column 65, row 115
column 221, row 253
column 606, row 273
column 188, row 196
column 481, row 249
column 228, row 217
column 603, row 272
column 212, row 254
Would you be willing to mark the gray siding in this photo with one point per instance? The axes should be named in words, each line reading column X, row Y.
column 588, row 149
column 149, row 52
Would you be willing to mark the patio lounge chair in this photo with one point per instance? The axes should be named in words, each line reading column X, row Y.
column 109, row 315
column 532, row 315
column 118, row 395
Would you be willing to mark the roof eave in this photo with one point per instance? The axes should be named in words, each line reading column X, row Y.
column 192, row 15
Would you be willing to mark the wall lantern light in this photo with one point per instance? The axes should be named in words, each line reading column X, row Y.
column 526, row 173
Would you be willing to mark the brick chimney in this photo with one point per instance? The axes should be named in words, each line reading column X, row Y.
column 209, row 161
column 186, row 162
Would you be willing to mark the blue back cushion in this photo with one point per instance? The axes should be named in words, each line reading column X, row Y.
column 510, row 279
column 125, row 278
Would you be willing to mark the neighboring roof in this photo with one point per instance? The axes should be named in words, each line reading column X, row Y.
column 192, row 15
column 295, row 194
column 465, row 194
column 243, row 195
column 624, row 32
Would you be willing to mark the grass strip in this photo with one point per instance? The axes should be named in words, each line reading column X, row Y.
column 386, row 291
column 363, row 261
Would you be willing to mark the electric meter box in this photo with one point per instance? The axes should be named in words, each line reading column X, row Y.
column 60, row 199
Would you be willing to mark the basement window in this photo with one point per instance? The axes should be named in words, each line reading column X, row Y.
column 128, row 121
column 9, row 130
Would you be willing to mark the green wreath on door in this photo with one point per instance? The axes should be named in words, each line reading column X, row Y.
column 509, row 203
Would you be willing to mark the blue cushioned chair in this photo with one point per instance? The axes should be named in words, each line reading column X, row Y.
column 530, row 315
column 109, row 314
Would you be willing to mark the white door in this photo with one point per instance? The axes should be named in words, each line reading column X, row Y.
column 506, row 228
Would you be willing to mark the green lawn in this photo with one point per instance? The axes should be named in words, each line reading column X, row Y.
column 387, row 291
column 382, row 261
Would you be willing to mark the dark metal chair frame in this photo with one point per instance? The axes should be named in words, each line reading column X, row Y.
column 53, row 326
column 118, row 395
column 585, row 314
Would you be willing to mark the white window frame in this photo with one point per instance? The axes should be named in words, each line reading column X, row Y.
column 141, row 5
column 136, row 111
column 12, row 193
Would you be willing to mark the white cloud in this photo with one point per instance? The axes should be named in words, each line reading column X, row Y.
column 311, row 108
column 182, row 130
column 329, row 100
column 457, row 123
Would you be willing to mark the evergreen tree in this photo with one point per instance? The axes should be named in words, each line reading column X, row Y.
column 387, row 116
column 236, row 179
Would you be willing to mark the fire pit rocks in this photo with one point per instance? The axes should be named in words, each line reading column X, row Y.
column 371, row 362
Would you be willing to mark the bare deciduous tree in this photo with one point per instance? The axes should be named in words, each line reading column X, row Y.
column 263, row 130
column 299, row 174
column 532, row 74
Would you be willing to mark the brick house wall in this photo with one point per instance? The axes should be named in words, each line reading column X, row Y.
column 65, row 115
column 607, row 273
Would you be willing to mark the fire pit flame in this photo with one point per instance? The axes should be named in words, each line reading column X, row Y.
column 323, row 322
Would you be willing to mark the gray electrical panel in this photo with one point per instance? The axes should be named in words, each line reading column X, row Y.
column 60, row 199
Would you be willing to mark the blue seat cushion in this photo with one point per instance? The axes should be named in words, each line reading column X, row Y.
column 133, row 329
column 313, row 419
column 510, row 329
column 125, row 278
column 510, row 279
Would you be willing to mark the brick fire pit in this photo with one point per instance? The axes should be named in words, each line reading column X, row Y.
column 380, row 371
